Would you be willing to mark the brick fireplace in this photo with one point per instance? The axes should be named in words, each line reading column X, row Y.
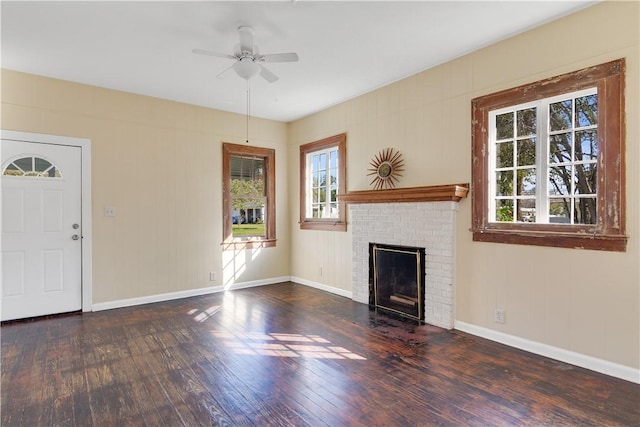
column 418, row 216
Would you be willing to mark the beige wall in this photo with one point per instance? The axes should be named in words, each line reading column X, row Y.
column 582, row 301
column 159, row 164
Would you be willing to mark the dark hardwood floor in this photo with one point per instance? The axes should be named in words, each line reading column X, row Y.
column 286, row 355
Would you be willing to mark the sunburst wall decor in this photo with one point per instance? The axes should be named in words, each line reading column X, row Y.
column 387, row 165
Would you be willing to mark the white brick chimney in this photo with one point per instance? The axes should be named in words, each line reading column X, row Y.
column 425, row 224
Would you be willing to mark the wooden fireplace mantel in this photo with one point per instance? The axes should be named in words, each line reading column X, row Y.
column 433, row 193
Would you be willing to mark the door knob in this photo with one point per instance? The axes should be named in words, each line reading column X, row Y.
column 75, row 226
column 75, row 237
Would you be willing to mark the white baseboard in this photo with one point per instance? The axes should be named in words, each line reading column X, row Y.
column 323, row 287
column 599, row 365
column 254, row 283
column 155, row 298
column 184, row 294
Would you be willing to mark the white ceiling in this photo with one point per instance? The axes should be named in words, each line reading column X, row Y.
column 345, row 48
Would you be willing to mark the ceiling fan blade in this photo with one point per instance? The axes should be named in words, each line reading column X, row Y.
column 211, row 53
column 267, row 75
column 246, row 39
column 280, row 57
column 221, row 73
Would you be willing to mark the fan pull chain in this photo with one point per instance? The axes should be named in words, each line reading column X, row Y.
column 248, row 108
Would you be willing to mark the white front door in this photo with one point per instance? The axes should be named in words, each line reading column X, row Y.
column 41, row 229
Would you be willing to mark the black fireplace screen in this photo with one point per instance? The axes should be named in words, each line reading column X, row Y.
column 396, row 279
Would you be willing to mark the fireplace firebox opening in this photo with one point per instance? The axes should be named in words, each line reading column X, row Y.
column 396, row 279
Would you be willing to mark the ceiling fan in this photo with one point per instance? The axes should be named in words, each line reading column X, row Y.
column 248, row 58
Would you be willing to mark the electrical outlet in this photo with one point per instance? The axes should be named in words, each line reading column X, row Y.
column 109, row 211
column 498, row 316
column 212, row 276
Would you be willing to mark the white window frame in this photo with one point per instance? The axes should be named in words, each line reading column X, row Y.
column 327, row 211
column 542, row 164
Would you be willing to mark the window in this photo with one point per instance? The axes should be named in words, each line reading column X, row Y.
column 322, row 179
column 543, row 159
column 248, row 196
column 32, row 167
column 548, row 162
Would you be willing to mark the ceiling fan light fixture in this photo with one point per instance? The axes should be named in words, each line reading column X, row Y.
column 246, row 68
column 248, row 59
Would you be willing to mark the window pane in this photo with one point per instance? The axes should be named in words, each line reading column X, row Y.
column 587, row 110
column 560, row 148
column 333, row 159
column 560, row 211
column 316, row 196
column 504, row 126
column 41, row 164
column 560, row 180
column 25, row 163
column 560, row 115
column 314, row 162
column 322, row 193
column 587, row 145
column 12, row 170
column 527, row 210
column 53, row 172
column 586, row 178
column 322, row 178
column 526, row 182
column 248, row 218
column 323, row 161
column 247, row 188
column 504, row 210
column 527, row 122
column 527, row 152
column 504, row 155
column 585, row 210
column 504, row 183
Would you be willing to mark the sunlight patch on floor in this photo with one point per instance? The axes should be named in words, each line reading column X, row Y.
column 203, row 315
column 284, row 345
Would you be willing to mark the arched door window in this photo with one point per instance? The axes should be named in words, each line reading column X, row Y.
column 32, row 167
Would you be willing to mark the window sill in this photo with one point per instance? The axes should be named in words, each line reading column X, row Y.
column 239, row 245
column 326, row 225
column 558, row 239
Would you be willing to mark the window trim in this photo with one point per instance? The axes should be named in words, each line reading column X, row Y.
column 609, row 231
column 329, row 224
column 237, row 243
